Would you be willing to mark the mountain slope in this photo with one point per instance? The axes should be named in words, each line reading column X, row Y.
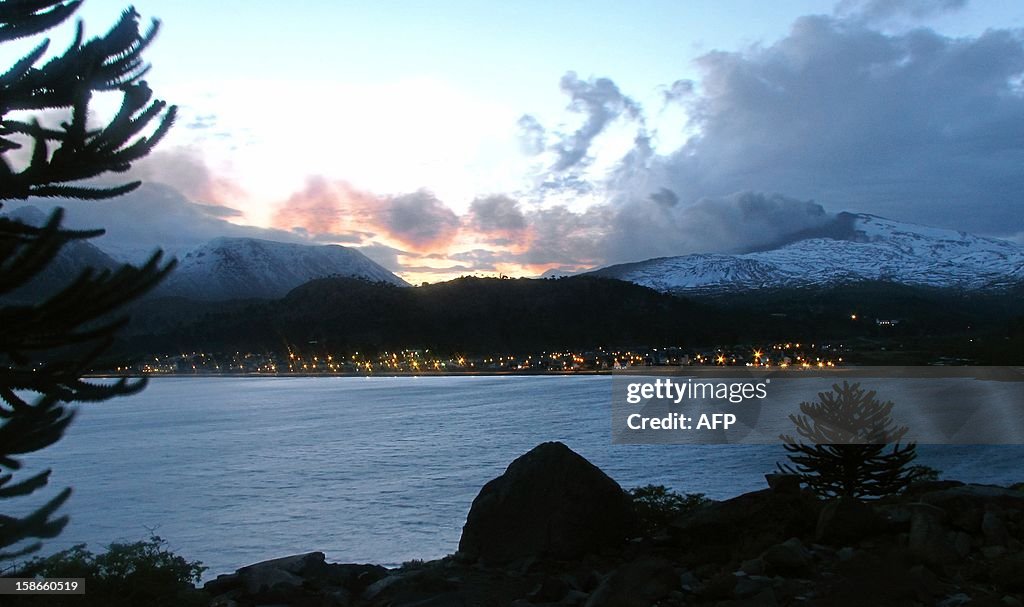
column 870, row 249
column 236, row 268
column 72, row 259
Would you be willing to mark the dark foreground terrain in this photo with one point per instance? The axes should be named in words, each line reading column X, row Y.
column 554, row 530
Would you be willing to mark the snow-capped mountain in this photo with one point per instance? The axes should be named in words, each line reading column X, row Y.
column 859, row 247
column 235, row 268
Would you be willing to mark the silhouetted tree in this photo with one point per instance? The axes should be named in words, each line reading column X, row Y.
column 851, row 432
column 47, row 346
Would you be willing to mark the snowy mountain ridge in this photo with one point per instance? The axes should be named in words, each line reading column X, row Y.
column 234, row 268
column 865, row 247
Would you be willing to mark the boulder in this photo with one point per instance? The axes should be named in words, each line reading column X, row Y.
column 994, row 530
column 846, row 521
column 788, row 558
column 286, row 571
column 637, row 584
column 299, row 579
column 549, row 502
column 930, row 539
column 783, row 483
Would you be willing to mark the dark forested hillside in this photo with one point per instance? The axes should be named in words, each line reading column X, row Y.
column 465, row 315
column 487, row 315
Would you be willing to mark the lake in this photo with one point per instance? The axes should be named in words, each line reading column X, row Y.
column 233, row 470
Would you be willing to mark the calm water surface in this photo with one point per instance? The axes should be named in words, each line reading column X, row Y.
column 234, row 470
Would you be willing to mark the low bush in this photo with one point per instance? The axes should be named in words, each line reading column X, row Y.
column 656, row 506
column 126, row 575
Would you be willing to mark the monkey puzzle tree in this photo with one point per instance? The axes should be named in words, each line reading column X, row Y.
column 48, row 346
column 851, row 431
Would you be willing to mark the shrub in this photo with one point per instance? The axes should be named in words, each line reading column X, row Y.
column 128, row 575
column 656, row 506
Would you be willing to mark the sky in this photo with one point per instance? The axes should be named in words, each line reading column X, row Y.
column 483, row 138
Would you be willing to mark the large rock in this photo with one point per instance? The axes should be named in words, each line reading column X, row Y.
column 549, row 502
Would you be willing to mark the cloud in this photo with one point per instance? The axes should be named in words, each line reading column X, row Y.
column 185, row 170
column 679, row 90
column 202, row 122
column 384, row 255
column 560, row 236
column 532, row 136
column 777, row 138
column 326, row 206
column 420, row 220
column 480, row 260
column 498, row 214
column 873, row 11
column 665, row 197
column 601, row 102
column 739, row 222
column 155, row 216
column 914, row 126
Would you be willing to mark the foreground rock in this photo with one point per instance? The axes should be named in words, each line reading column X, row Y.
column 549, row 502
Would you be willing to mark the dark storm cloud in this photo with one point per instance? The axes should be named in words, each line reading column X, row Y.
column 601, row 102
column 914, row 126
column 646, row 228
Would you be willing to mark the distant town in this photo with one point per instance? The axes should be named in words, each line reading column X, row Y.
column 424, row 361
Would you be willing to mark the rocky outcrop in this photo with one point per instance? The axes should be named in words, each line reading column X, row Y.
column 294, row 580
column 549, row 502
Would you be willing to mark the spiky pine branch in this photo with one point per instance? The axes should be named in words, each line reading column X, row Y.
column 47, row 347
column 74, row 152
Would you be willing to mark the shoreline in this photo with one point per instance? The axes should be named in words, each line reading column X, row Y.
column 987, row 372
